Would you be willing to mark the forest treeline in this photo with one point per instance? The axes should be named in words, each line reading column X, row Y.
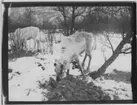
column 72, row 18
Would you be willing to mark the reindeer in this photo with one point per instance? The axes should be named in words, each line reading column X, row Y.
column 50, row 40
column 24, row 34
column 57, row 37
column 42, row 37
column 72, row 47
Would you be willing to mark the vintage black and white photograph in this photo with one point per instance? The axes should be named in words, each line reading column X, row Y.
column 69, row 53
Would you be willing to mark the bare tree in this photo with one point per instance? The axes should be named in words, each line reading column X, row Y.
column 28, row 14
column 70, row 14
column 103, row 49
column 126, row 34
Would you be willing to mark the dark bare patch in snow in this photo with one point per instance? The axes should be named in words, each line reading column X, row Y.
column 119, row 76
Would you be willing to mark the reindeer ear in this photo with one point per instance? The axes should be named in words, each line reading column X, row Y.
column 62, row 67
column 55, row 64
column 65, row 62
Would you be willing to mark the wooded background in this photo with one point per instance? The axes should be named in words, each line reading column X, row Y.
column 96, row 19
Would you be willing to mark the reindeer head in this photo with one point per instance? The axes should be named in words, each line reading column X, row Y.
column 60, row 69
column 75, row 65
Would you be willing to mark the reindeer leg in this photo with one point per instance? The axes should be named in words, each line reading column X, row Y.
column 42, row 48
column 38, row 45
column 81, row 68
column 23, row 45
column 34, row 47
column 90, row 57
column 84, row 60
column 26, row 45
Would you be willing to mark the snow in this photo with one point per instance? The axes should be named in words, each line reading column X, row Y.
column 112, row 87
column 20, row 85
column 25, row 87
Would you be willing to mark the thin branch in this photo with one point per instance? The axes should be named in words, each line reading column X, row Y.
column 105, row 45
column 107, row 37
column 112, row 13
column 80, row 13
column 103, row 51
column 62, row 10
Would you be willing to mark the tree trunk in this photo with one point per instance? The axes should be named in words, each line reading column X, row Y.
column 72, row 21
column 116, row 53
column 65, row 22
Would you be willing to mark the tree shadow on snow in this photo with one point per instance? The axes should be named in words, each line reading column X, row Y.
column 19, row 54
column 119, row 76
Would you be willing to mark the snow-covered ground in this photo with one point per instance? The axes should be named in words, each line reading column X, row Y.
column 29, row 72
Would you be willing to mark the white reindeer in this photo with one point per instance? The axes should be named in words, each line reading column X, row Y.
column 72, row 47
column 57, row 37
column 24, row 34
column 42, row 38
